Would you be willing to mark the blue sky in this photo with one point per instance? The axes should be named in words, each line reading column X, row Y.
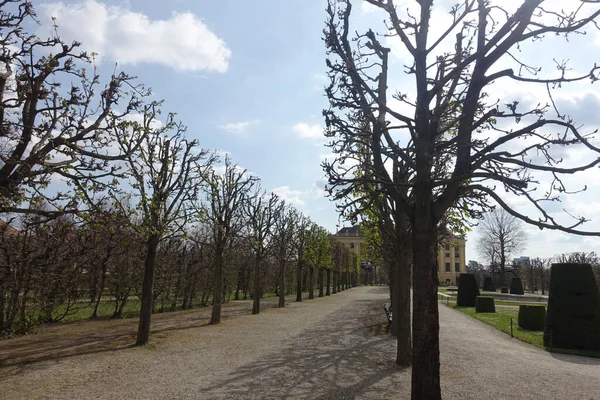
column 247, row 78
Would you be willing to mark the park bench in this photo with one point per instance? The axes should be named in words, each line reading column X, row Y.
column 387, row 307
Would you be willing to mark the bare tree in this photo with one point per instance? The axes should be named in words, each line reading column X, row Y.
column 501, row 235
column 261, row 211
column 456, row 142
column 300, row 244
column 222, row 211
column 48, row 130
column 166, row 172
column 285, row 226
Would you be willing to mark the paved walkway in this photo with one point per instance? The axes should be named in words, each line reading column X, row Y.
column 328, row 348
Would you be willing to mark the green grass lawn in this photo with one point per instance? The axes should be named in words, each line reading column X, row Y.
column 82, row 311
column 501, row 321
column 452, row 302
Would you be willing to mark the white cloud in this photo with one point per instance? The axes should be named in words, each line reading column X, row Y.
column 222, row 153
column 291, row 196
column 308, row 131
column 182, row 42
column 238, row 127
column 367, row 8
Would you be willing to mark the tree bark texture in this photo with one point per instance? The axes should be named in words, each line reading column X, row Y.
column 215, row 317
column 426, row 347
column 281, row 285
column 143, row 333
column 257, row 285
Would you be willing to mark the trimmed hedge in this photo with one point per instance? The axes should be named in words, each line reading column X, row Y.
column 532, row 318
column 485, row 304
column 504, row 289
column 488, row 284
column 573, row 317
column 468, row 290
column 516, row 286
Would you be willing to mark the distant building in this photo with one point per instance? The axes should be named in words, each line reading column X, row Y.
column 521, row 260
column 452, row 260
column 451, row 255
column 351, row 237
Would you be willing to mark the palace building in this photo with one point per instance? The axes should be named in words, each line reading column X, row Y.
column 451, row 255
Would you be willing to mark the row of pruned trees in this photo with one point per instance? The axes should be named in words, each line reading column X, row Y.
column 111, row 199
column 49, row 268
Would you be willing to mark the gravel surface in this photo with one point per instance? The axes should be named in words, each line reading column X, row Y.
column 328, row 348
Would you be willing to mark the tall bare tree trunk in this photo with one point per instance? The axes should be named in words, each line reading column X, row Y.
column 102, row 282
column 281, row 285
column 311, row 283
column 328, row 290
column 299, row 282
column 321, row 283
column 426, row 346
column 257, row 284
column 402, row 285
column 143, row 333
column 215, row 317
column 335, row 283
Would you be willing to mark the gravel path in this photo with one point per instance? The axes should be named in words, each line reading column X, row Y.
column 327, row 348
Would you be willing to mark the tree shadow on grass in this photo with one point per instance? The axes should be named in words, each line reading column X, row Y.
column 348, row 357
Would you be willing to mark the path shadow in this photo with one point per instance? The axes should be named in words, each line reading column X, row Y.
column 576, row 359
column 62, row 340
column 342, row 359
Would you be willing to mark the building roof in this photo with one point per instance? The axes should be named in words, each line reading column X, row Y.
column 349, row 231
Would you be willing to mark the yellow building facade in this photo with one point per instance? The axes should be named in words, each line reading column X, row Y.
column 451, row 261
column 351, row 237
column 451, row 255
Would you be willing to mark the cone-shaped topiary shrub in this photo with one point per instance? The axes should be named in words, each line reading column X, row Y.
column 468, row 290
column 573, row 317
column 516, row 286
column 488, row 284
column 504, row 289
column 532, row 318
column 485, row 304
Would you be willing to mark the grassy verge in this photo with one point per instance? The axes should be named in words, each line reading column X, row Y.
column 501, row 321
column 452, row 301
column 82, row 311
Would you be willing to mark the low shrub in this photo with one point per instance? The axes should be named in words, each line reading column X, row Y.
column 488, row 284
column 504, row 289
column 573, row 318
column 532, row 318
column 516, row 286
column 485, row 304
column 468, row 290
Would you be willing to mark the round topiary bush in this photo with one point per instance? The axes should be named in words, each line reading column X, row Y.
column 485, row 304
column 573, row 317
column 516, row 286
column 488, row 284
column 532, row 318
column 468, row 290
column 504, row 289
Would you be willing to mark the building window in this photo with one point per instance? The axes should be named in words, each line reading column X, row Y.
column 447, row 247
column 455, row 247
column 360, row 245
column 448, row 255
column 352, row 245
column 447, row 267
column 456, row 255
column 457, row 267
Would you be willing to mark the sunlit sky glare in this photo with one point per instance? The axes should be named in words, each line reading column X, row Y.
column 247, row 79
